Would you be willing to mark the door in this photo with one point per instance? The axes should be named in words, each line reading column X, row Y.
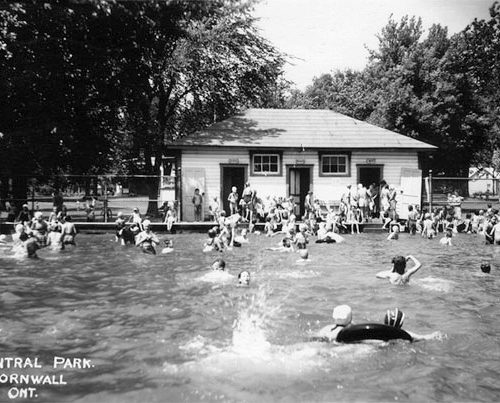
column 369, row 174
column 411, row 187
column 192, row 178
column 232, row 175
column 299, row 183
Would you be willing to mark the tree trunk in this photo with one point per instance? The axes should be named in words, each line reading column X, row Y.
column 19, row 191
column 152, row 184
column 4, row 191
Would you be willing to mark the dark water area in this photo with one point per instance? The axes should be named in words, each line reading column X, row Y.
column 165, row 328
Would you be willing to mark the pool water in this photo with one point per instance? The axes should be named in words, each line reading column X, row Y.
column 163, row 328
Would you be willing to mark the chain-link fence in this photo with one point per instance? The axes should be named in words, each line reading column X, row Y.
column 90, row 198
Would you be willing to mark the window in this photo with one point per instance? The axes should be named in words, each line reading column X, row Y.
column 334, row 164
column 266, row 164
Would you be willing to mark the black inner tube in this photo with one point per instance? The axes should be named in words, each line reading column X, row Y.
column 371, row 331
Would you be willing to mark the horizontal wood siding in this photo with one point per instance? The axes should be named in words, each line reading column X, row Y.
column 324, row 187
column 210, row 160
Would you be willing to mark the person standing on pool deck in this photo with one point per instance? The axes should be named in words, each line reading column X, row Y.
column 398, row 275
column 233, row 201
column 135, row 218
column 342, row 317
column 197, row 203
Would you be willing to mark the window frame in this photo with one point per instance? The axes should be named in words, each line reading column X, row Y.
column 262, row 153
column 334, row 153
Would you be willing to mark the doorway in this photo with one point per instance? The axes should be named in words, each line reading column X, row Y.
column 231, row 175
column 369, row 174
column 299, row 183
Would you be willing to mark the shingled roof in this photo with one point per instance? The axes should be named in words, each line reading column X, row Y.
column 290, row 128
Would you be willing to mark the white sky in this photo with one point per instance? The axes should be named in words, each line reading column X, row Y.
column 325, row 35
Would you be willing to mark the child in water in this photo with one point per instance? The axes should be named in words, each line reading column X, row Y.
column 396, row 319
column 286, row 246
column 398, row 275
column 446, row 240
column 146, row 239
column 304, row 256
column 243, row 279
column 342, row 317
column 168, row 246
column 394, row 233
column 219, row 265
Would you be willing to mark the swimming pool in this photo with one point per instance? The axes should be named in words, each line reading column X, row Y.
column 155, row 331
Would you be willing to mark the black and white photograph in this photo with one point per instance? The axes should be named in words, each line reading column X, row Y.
column 249, row 201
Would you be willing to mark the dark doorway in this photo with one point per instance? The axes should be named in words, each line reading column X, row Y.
column 369, row 174
column 232, row 175
column 299, row 183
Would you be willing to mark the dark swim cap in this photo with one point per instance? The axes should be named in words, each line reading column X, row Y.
column 485, row 267
column 394, row 318
column 399, row 264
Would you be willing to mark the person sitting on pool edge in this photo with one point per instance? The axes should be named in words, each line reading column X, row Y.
column 342, row 317
column 398, row 275
column 396, row 319
column 243, row 279
column 147, row 239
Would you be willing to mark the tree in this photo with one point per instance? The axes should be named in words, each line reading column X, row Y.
column 92, row 84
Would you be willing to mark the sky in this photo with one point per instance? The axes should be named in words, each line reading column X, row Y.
column 322, row 36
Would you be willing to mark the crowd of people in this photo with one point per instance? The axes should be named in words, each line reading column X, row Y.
column 34, row 232
column 358, row 205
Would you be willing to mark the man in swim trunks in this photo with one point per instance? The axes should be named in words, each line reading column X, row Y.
column 398, row 275
column 342, row 317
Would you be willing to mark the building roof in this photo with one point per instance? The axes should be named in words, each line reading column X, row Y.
column 291, row 128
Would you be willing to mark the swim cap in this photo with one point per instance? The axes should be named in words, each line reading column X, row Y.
column 146, row 223
column 485, row 267
column 304, row 254
column 38, row 215
column 342, row 315
column 19, row 227
column 3, row 237
column 394, row 318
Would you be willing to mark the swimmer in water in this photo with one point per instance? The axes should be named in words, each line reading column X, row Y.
column 398, row 275
column 146, row 239
column 68, row 231
column 446, row 240
column 243, row 237
column 342, row 317
column 485, row 268
column 243, row 279
column 394, row 233
column 396, row 319
column 168, row 246
column 219, row 265
column 286, row 246
column 304, row 256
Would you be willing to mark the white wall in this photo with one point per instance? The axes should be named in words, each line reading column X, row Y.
column 325, row 188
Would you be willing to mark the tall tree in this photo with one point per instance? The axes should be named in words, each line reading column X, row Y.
column 92, row 84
